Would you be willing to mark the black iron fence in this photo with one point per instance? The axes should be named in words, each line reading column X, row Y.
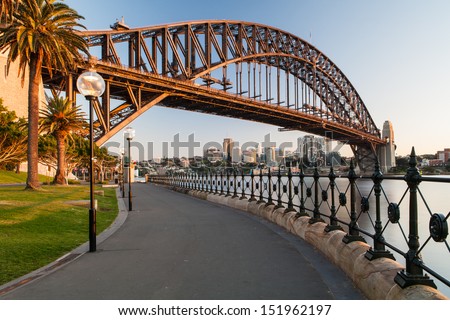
column 363, row 206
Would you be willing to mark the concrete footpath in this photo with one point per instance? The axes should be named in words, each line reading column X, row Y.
column 173, row 246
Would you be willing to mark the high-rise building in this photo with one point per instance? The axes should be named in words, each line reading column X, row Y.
column 236, row 154
column 228, row 149
column 270, row 154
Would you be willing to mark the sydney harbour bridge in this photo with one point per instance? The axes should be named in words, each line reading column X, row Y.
column 227, row 68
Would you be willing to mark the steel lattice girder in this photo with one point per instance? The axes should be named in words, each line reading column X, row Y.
column 159, row 57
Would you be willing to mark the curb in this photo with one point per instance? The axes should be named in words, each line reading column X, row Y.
column 374, row 278
column 69, row 257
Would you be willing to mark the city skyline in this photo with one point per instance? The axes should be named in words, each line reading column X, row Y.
column 190, row 147
column 376, row 45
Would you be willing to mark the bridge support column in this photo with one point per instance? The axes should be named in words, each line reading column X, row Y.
column 386, row 153
column 386, row 156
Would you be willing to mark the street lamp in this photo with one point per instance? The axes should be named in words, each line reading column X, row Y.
column 122, row 169
column 91, row 85
column 129, row 135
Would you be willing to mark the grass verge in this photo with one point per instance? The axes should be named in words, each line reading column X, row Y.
column 9, row 177
column 37, row 227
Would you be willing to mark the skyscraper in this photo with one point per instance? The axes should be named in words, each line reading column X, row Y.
column 270, row 155
column 227, row 149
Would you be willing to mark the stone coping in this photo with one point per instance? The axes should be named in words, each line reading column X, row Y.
column 374, row 278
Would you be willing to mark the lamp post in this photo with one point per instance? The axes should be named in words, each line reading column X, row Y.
column 129, row 135
column 91, row 85
column 122, row 169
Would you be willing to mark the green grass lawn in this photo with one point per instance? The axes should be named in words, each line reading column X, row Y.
column 8, row 177
column 37, row 227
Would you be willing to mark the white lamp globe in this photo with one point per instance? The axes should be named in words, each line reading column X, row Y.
column 91, row 84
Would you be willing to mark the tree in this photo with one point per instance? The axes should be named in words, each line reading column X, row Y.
column 40, row 34
column 13, row 139
column 103, row 161
column 76, row 152
column 7, row 8
column 61, row 119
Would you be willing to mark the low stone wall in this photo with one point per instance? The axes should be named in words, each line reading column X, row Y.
column 374, row 278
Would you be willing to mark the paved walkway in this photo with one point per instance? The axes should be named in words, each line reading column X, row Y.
column 173, row 246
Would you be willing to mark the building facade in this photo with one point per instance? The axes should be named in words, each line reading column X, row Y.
column 14, row 94
column 444, row 155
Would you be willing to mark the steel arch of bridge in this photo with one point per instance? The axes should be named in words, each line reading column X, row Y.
column 230, row 68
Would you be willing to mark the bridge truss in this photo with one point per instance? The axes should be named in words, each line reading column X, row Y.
column 228, row 68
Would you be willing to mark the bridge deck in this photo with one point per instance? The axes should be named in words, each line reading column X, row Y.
column 173, row 246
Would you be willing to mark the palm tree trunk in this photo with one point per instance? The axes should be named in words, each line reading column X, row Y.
column 33, row 123
column 60, row 177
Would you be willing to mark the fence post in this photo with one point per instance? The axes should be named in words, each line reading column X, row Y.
column 202, row 181
column 228, row 184
column 252, row 193
column 193, row 182
column 215, row 182
column 261, row 196
column 413, row 274
column 183, row 179
column 211, row 179
column 235, row 195
column 316, row 212
column 269, row 183
column 302, row 212
column 378, row 250
column 353, row 234
column 279, row 201
column 333, row 223
column 290, row 206
column 242, row 186
column 221, row 183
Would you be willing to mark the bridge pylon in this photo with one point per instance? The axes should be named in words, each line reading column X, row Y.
column 367, row 155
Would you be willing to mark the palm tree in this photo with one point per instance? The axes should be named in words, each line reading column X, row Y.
column 6, row 9
column 41, row 34
column 60, row 119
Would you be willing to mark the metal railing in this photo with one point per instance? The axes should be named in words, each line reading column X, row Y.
column 361, row 206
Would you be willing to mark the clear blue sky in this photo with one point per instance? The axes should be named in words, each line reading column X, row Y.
column 395, row 53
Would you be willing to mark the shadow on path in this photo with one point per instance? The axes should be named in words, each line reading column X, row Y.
column 173, row 246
